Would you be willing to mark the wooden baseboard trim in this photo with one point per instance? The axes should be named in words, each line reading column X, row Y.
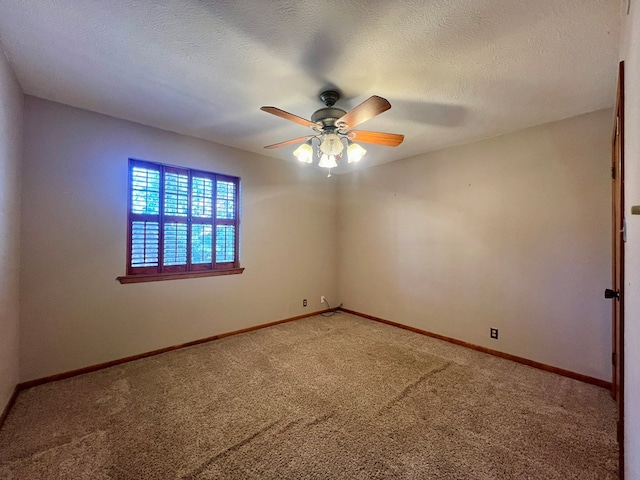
column 120, row 361
column 508, row 356
column 9, row 405
column 100, row 366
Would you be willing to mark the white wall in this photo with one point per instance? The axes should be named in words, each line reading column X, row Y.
column 630, row 53
column 512, row 233
column 74, row 312
column 11, row 112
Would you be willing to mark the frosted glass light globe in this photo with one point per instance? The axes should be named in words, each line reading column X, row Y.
column 327, row 161
column 331, row 144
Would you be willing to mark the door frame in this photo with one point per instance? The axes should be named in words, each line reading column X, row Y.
column 618, row 241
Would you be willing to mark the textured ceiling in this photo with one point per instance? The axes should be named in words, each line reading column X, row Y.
column 454, row 71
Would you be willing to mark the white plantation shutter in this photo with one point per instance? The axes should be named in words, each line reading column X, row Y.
column 179, row 217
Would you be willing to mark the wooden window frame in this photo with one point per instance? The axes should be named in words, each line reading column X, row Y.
column 187, row 270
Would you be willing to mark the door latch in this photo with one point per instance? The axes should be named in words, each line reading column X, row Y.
column 608, row 293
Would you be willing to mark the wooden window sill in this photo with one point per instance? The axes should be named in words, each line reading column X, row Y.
column 157, row 277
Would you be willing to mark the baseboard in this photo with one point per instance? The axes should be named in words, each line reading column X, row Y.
column 10, row 403
column 120, row 361
column 508, row 356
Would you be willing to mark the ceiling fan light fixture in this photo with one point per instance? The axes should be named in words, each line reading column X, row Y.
column 334, row 132
column 328, row 161
column 355, row 152
column 304, row 153
column 330, row 144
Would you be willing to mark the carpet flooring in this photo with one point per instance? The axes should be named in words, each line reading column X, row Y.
column 336, row 397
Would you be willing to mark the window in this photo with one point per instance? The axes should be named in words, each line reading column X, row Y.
column 181, row 223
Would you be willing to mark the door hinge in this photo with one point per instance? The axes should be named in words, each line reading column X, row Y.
column 620, row 432
column 613, row 358
column 613, row 173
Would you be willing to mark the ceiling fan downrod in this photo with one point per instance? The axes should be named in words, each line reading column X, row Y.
column 330, row 97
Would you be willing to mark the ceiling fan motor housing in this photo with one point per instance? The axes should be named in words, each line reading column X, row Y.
column 327, row 116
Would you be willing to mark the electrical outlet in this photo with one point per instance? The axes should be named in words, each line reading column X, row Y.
column 494, row 333
column 322, row 299
column 304, row 302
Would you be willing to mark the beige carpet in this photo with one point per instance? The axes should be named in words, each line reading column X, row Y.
column 321, row 398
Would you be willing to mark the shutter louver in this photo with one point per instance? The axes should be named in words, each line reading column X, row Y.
column 201, row 197
column 176, row 194
column 175, row 244
column 225, row 243
column 201, row 243
column 145, row 191
column 226, row 200
column 145, row 238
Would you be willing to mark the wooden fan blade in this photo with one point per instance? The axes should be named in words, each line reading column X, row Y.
column 288, row 116
column 368, row 109
column 387, row 139
column 289, row 142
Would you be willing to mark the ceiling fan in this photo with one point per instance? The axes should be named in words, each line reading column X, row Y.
column 332, row 125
